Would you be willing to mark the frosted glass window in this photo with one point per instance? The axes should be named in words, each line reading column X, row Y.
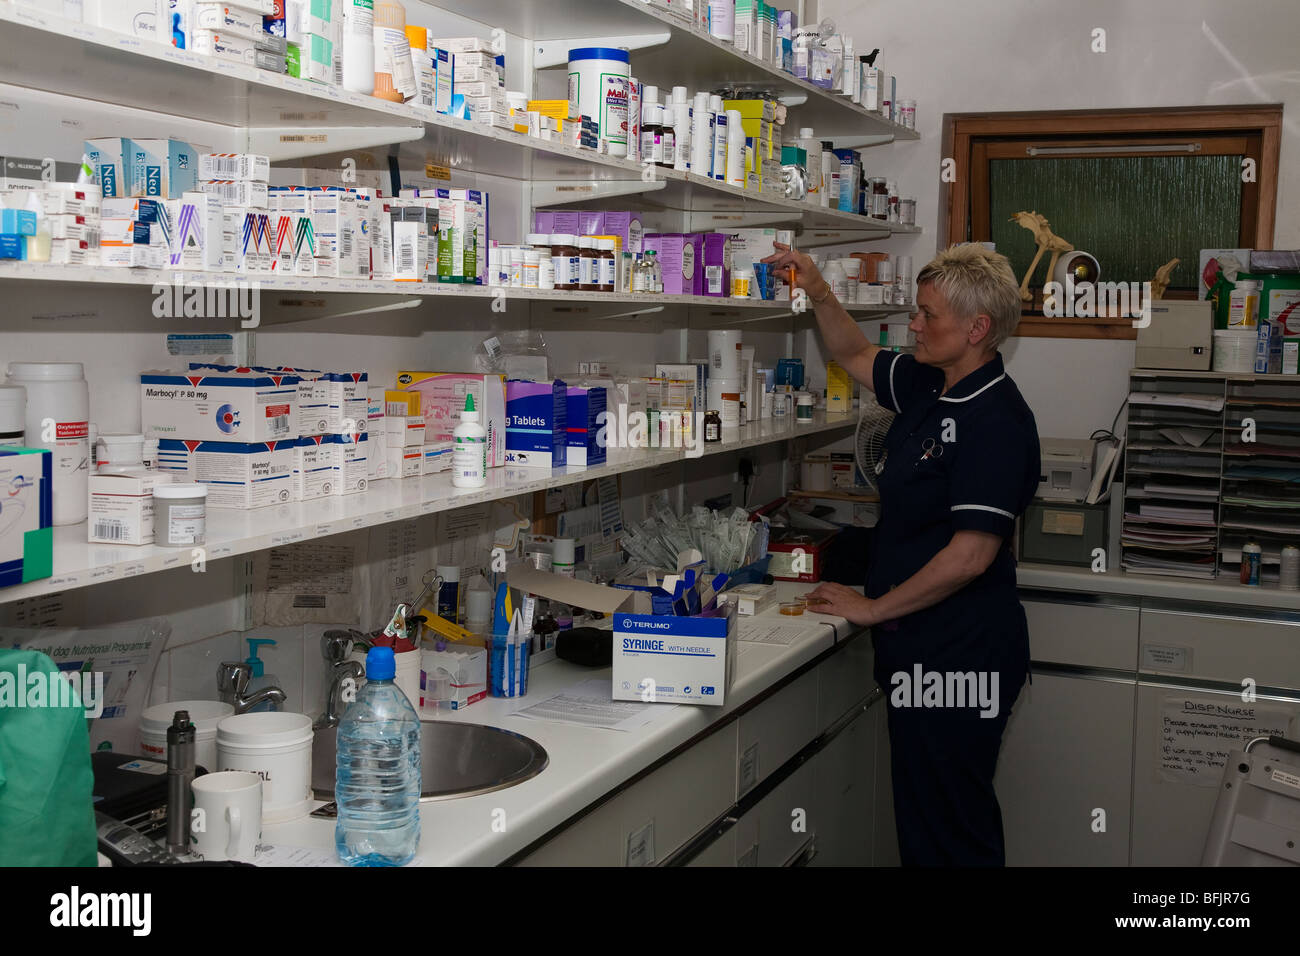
column 1134, row 213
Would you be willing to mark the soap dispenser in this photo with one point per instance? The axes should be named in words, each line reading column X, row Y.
column 259, row 678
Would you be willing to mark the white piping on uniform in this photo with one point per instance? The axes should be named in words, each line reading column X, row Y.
column 893, row 396
column 945, row 398
column 999, row 511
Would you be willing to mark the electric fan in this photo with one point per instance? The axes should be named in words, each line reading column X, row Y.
column 869, row 440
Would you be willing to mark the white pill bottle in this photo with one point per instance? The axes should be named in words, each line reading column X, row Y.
column 58, row 418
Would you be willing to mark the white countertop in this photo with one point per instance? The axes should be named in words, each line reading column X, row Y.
column 1222, row 590
column 585, row 762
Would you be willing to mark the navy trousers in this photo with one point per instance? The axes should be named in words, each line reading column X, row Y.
column 942, row 758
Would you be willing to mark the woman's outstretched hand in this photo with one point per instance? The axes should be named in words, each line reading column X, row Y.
column 842, row 601
column 806, row 276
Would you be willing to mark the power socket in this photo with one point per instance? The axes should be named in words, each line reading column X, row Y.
column 746, row 470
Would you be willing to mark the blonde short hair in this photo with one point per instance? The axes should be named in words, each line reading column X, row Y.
column 974, row 281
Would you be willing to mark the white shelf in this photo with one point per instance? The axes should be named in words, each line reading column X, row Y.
column 232, row 532
column 698, row 60
column 146, row 279
column 90, row 63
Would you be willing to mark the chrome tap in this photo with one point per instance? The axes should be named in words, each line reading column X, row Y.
column 335, row 646
column 233, row 678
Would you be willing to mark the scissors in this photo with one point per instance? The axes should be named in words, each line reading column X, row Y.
column 932, row 450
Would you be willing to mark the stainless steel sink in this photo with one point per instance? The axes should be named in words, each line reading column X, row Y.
column 457, row 760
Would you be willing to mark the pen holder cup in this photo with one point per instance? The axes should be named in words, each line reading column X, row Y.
column 508, row 669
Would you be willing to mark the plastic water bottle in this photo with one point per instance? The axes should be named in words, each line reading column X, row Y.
column 377, row 783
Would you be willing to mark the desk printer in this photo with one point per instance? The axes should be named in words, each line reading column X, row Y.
column 1066, row 470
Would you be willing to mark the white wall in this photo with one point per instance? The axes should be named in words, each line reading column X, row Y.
column 958, row 56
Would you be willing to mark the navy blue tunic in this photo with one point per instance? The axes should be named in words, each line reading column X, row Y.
column 965, row 460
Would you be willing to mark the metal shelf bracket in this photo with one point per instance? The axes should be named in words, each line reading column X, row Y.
column 549, row 53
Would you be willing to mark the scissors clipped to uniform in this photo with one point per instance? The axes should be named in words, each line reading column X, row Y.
column 931, row 448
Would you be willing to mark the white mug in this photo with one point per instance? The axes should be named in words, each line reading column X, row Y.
column 226, row 822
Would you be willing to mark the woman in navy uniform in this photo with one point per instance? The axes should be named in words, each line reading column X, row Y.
column 960, row 463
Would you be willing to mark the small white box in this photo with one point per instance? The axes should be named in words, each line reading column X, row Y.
column 405, row 431
column 121, row 507
column 750, row 599
column 198, row 233
column 234, row 166
column 139, row 18
column 436, row 458
column 453, row 679
column 227, row 18
column 125, row 243
column 460, row 45
column 313, row 468
column 226, row 45
column 405, row 462
column 351, row 469
column 238, row 192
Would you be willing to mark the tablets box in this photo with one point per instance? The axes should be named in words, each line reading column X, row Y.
column 121, row 507
column 536, row 423
column 586, row 419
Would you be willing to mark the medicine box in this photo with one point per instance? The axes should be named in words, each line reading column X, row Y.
column 27, row 531
column 442, row 399
column 33, row 174
column 160, row 168
column 219, row 407
column 674, row 660
column 226, row 18
column 197, row 240
column 405, row 431
column 313, row 468
column 405, row 462
column 696, row 372
column 586, row 414
column 121, row 507
column 839, row 389
column 125, row 243
column 715, row 272
column 750, row 599
column 453, row 679
column 238, row 474
column 350, row 465
column 234, row 166
column 107, row 158
column 435, row 458
column 536, row 423
column 137, row 18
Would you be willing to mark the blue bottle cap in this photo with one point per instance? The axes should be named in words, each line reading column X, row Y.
column 380, row 664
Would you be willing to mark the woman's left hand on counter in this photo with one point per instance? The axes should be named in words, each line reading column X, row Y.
column 842, row 601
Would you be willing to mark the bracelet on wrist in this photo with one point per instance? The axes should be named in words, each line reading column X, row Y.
column 826, row 291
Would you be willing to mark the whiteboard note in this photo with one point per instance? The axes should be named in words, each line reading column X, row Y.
column 1197, row 734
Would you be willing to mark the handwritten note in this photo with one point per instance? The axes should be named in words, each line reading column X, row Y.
column 1198, row 733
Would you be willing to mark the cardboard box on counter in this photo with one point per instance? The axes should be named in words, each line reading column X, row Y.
column 657, row 658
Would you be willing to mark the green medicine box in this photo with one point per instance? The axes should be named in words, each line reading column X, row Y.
column 1062, row 532
column 26, row 514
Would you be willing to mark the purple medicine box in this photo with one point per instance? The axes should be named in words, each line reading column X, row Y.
column 716, row 272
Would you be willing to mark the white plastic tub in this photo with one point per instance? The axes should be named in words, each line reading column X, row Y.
column 276, row 747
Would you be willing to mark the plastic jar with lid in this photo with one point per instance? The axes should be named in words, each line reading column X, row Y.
column 834, row 277
column 589, row 271
column 803, row 413
column 13, row 414
column 532, row 264
column 545, row 264
column 180, row 515
column 495, row 272
column 117, row 454
column 57, row 391
column 564, row 257
column 907, row 113
column 742, row 283
column 607, row 265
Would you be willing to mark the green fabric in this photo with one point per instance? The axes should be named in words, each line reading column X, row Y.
column 46, row 784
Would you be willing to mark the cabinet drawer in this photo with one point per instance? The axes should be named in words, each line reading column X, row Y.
column 787, row 817
column 1083, row 632
column 843, row 680
column 662, row 810
column 1221, row 647
column 775, row 731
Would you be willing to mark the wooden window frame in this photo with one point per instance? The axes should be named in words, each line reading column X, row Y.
column 1258, row 126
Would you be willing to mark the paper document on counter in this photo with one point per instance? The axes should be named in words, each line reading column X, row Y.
column 759, row 631
column 588, row 703
column 268, row 855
